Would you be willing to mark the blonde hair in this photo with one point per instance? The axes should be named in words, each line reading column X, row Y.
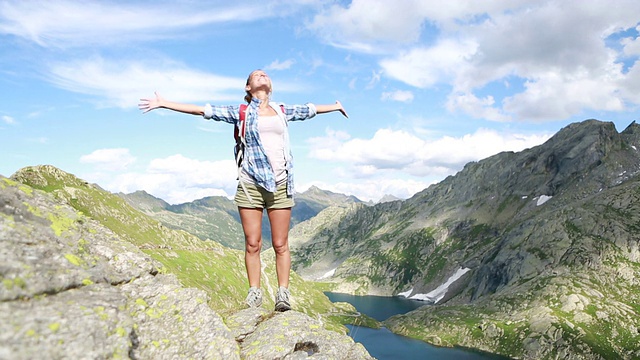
column 248, row 95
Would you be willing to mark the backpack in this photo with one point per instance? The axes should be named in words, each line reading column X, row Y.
column 239, row 134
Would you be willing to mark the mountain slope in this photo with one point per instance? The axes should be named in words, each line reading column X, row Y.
column 314, row 200
column 205, row 265
column 549, row 235
column 216, row 218
column 211, row 218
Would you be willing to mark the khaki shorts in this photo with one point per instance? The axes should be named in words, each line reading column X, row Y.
column 262, row 199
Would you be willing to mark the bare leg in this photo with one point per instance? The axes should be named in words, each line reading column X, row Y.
column 280, row 220
column 252, row 225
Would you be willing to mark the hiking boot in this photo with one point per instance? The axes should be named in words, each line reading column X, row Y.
column 254, row 297
column 282, row 299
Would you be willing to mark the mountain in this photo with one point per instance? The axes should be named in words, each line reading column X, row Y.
column 211, row 218
column 388, row 198
column 216, row 218
column 532, row 255
column 86, row 275
column 314, row 200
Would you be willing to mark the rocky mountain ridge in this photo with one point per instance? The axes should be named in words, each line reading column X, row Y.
column 212, row 218
column 216, row 217
column 84, row 275
column 549, row 235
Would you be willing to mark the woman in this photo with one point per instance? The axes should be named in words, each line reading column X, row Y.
column 265, row 174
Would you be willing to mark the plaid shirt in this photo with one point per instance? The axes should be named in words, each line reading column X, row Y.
column 255, row 161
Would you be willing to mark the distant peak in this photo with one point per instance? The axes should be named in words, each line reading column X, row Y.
column 388, row 198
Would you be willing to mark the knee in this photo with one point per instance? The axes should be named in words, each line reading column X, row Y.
column 253, row 247
column 281, row 248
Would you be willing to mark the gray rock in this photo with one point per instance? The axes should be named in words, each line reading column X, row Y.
column 72, row 289
column 292, row 335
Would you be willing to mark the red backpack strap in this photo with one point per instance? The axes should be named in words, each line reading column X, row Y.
column 243, row 111
column 240, row 128
column 284, row 114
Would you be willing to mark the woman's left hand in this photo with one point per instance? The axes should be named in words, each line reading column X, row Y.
column 341, row 109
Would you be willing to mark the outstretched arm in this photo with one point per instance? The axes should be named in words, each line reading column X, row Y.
column 147, row 105
column 321, row 109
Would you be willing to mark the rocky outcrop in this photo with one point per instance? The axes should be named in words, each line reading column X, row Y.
column 290, row 335
column 73, row 288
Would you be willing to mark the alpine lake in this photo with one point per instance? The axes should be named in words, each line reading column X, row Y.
column 385, row 345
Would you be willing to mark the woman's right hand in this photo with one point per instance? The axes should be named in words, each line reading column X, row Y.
column 147, row 105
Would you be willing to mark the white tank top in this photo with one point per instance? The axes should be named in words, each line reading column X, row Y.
column 271, row 130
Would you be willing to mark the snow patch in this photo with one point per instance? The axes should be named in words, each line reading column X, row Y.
column 328, row 274
column 543, row 199
column 634, row 147
column 438, row 293
column 406, row 293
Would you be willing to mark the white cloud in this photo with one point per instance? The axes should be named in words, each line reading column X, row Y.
column 8, row 120
column 631, row 84
column 386, row 150
column 324, row 147
column 455, row 152
column 123, row 83
column 631, row 45
column 398, row 95
column 175, row 179
column 424, row 67
column 555, row 96
column 374, row 80
column 399, row 151
column 478, row 108
column 506, row 42
column 109, row 159
column 72, row 23
column 364, row 22
column 381, row 26
column 280, row 65
column 372, row 189
column 560, row 81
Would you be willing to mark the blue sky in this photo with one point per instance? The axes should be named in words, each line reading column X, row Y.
column 429, row 86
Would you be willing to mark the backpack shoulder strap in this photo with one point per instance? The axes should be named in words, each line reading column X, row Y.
column 243, row 111
column 240, row 128
column 282, row 112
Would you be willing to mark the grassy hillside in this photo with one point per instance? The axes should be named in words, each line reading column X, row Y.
column 206, row 265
